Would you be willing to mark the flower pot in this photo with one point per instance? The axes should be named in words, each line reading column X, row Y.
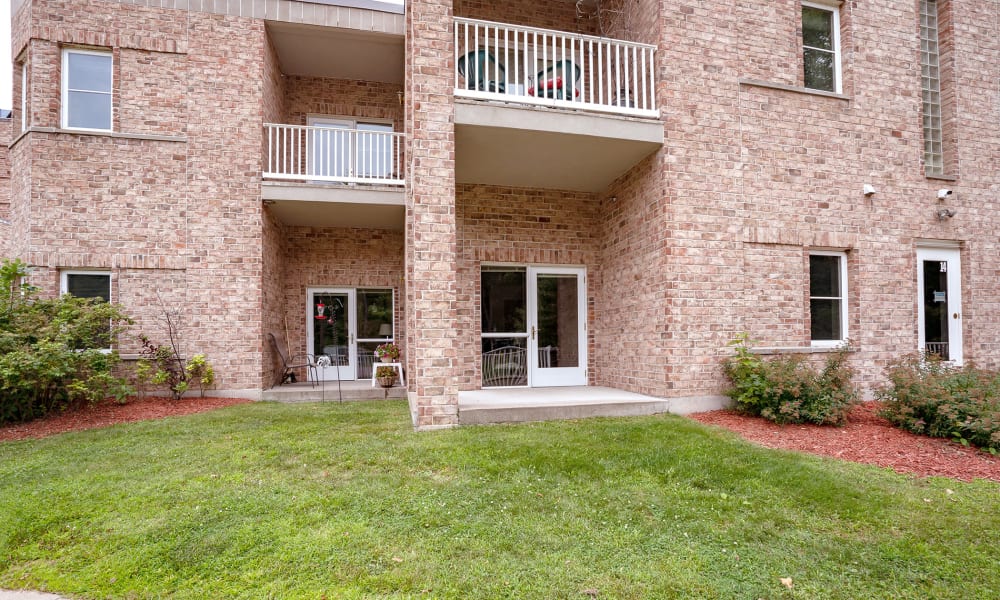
column 387, row 382
column 385, row 359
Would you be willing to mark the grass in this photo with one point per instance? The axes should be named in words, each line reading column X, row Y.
column 345, row 501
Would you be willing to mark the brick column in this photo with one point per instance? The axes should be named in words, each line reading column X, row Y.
column 431, row 239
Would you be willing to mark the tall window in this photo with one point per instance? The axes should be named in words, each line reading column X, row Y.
column 930, row 88
column 24, row 96
column 821, row 46
column 828, row 298
column 86, row 90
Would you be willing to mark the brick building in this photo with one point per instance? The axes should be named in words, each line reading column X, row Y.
column 520, row 194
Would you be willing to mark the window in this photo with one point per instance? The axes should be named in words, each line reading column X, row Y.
column 930, row 88
column 24, row 97
column 86, row 90
column 821, row 46
column 89, row 284
column 828, row 298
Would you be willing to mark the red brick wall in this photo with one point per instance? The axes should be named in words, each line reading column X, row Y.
column 559, row 15
column 632, row 325
column 305, row 96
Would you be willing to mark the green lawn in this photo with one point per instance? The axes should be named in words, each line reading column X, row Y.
column 346, row 501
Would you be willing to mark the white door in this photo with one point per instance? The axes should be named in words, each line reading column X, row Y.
column 330, row 149
column 330, row 331
column 939, row 302
column 557, row 316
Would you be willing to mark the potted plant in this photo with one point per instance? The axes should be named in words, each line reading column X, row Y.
column 387, row 352
column 386, row 376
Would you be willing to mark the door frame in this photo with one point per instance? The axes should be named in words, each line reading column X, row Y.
column 952, row 255
column 347, row 372
column 539, row 376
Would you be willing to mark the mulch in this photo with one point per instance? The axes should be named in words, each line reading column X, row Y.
column 867, row 438
column 104, row 414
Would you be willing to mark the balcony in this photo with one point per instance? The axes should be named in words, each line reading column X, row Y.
column 542, row 67
column 330, row 176
column 550, row 109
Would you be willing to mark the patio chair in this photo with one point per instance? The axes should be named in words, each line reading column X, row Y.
column 505, row 366
column 556, row 81
column 477, row 67
column 290, row 363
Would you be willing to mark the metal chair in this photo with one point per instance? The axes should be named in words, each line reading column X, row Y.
column 561, row 80
column 505, row 366
column 290, row 363
column 477, row 67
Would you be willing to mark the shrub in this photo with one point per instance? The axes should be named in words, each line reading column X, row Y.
column 787, row 389
column 200, row 371
column 48, row 359
column 929, row 397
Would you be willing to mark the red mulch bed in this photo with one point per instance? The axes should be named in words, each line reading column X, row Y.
column 109, row 412
column 867, row 438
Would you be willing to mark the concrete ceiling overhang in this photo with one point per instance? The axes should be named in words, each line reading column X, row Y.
column 338, row 53
column 540, row 148
column 320, row 205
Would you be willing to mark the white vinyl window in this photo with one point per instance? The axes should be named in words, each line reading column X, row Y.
column 89, row 284
column 821, row 46
column 827, row 298
column 86, row 90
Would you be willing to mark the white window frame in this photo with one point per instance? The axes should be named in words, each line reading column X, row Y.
column 844, row 308
column 64, row 286
column 24, row 96
column 64, row 84
column 831, row 6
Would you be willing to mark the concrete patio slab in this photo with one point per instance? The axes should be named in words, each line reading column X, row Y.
column 511, row 405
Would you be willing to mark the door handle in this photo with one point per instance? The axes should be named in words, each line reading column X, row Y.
column 532, row 332
column 957, row 316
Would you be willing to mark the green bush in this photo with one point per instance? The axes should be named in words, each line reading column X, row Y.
column 787, row 389
column 929, row 397
column 48, row 359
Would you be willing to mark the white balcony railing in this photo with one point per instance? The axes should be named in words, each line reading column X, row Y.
column 494, row 61
column 333, row 154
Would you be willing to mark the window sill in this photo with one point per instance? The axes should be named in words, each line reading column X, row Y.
column 950, row 178
column 792, row 88
column 770, row 350
column 111, row 134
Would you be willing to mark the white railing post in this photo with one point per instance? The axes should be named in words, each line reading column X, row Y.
column 316, row 153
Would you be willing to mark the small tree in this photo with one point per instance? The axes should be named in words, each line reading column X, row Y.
column 168, row 365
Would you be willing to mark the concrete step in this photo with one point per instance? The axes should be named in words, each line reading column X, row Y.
column 516, row 414
column 513, row 405
column 349, row 390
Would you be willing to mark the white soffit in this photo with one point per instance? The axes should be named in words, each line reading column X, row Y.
column 338, row 53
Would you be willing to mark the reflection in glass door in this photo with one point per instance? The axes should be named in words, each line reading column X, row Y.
column 939, row 304
column 374, row 326
column 346, row 325
column 557, row 345
column 329, row 331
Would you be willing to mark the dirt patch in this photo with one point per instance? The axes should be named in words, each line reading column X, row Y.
column 108, row 413
column 867, row 438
